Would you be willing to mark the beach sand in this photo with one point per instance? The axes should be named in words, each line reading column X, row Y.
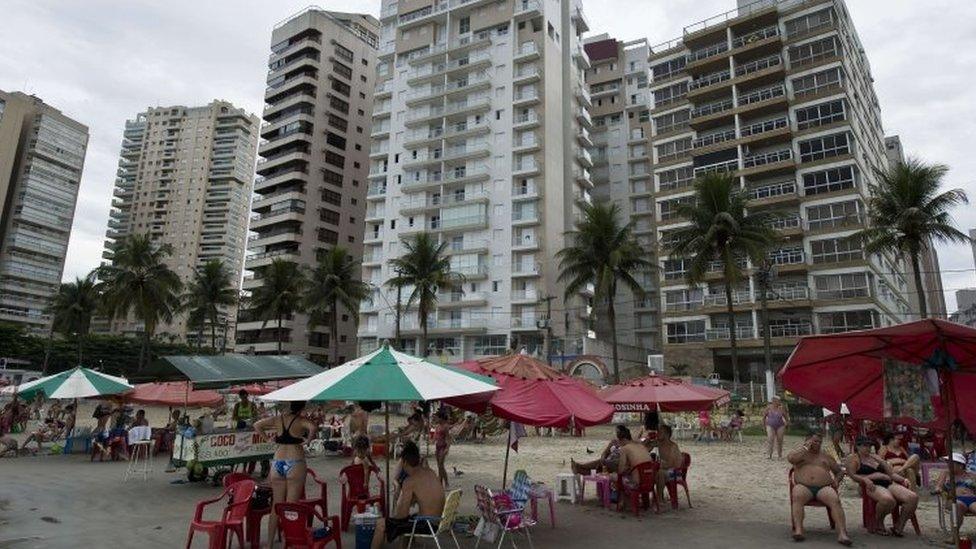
column 740, row 500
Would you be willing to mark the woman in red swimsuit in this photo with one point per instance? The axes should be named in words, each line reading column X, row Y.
column 442, row 444
column 896, row 455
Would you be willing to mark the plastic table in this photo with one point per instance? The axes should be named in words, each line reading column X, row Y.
column 602, row 482
column 537, row 492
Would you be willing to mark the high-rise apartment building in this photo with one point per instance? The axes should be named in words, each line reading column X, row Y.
column 778, row 94
column 312, row 177
column 480, row 136
column 184, row 178
column 618, row 82
column 928, row 262
column 42, row 153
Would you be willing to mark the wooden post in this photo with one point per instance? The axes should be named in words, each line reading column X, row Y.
column 946, row 397
column 386, row 418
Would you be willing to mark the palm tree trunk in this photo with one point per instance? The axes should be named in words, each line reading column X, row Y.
column 334, row 333
column 612, row 317
column 79, row 349
column 732, row 334
column 47, row 351
column 423, row 330
column 213, row 334
column 279, row 333
column 147, row 342
column 200, row 338
column 922, row 305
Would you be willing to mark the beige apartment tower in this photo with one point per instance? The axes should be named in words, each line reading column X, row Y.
column 779, row 95
column 312, row 177
column 184, row 178
column 42, row 153
column 480, row 129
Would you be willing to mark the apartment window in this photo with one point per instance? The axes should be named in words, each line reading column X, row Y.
column 845, row 321
column 682, row 300
column 331, row 196
column 668, row 68
column 670, row 94
column 335, row 140
column 835, row 250
column 820, row 115
column 328, row 236
column 342, row 71
column 329, row 216
column 332, row 178
column 676, row 178
column 834, row 179
column 490, row 345
column 686, row 332
column 673, row 149
column 675, row 269
column 835, row 215
column 810, row 22
column 815, row 83
column 811, row 52
column 464, row 25
column 339, row 104
column 672, row 121
column 341, row 87
column 335, row 159
column 843, row 286
column 343, row 53
column 827, row 146
column 337, row 122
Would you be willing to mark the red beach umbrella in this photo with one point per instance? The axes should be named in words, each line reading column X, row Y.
column 534, row 394
column 665, row 394
column 174, row 393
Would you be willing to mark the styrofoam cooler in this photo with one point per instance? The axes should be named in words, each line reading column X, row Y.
column 365, row 528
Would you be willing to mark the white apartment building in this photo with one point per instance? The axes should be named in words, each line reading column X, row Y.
column 479, row 136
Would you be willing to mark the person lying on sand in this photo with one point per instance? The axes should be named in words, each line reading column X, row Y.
column 816, row 475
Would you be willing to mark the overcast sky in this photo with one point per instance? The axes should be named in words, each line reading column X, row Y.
column 103, row 61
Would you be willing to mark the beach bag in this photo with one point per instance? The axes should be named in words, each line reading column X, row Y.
column 261, row 498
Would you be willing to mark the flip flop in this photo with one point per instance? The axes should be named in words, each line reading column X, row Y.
column 845, row 542
column 799, row 537
column 882, row 532
column 897, row 534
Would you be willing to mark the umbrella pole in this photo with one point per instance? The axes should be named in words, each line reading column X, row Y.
column 508, row 450
column 386, row 419
column 946, row 396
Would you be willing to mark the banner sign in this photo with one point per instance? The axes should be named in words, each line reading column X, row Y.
column 222, row 448
column 633, row 407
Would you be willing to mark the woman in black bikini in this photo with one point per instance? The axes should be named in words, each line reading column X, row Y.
column 883, row 485
column 288, row 468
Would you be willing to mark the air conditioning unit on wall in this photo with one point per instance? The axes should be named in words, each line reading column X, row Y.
column 655, row 363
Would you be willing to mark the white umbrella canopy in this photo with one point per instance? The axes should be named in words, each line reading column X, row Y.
column 386, row 375
column 75, row 383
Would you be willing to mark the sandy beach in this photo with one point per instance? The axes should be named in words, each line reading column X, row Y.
column 739, row 497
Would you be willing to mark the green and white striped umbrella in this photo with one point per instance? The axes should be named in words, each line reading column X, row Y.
column 75, row 383
column 386, row 375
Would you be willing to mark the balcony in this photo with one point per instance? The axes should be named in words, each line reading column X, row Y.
column 524, row 167
column 719, row 300
column 583, row 116
column 300, row 210
column 526, row 270
column 760, row 128
column 469, row 271
column 713, row 138
column 786, row 256
column 709, row 80
column 527, row 7
column 707, row 52
column 526, row 50
column 722, row 333
column 525, row 119
column 789, row 330
column 525, row 97
column 529, row 294
column 765, row 94
column 720, row 167
column 376, row 190
column 758, row 65
column 788, row 293
column 524, row 242
column 787, row 223
column 764, row 159
column 417, row 16
column 755, row 36
column 524, row 216
column 765, row 192
column 582, row 57
column 712, row 108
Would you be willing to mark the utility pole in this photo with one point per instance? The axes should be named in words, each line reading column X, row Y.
column 547, row 325
column 764, row 276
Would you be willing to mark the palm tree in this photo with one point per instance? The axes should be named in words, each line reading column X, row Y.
column 210, row 290
column 139, row 282
column 722, row 230
column 908, row 213
column 73, row 307
column 280, row 294
column 334, row 281
column 426, row 268
column 603, row 252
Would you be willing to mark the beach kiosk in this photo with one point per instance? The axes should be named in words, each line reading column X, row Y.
column 227, row 446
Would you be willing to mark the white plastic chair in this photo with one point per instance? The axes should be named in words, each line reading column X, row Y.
column 140, row 453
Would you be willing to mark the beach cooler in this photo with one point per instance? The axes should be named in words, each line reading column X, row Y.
column 365, row 524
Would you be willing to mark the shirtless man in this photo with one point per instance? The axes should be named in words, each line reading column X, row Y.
column 421, row 487
column 816, row 474
column 671, row 459
column 358, row 422
column 632, row 454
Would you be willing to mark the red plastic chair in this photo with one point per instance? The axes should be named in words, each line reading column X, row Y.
column 869, row 514
column 295, row 523
column 232, row 518
column 355, row 491
column 320, row 503
column 682, row 480
column 812, row 503
column 644, row 491
column 252, row 523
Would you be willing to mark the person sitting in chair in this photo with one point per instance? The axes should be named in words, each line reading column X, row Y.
column 882, row 484
column 816, row 475
column 421, row 486
column 608, row 461
column 965, row 487
column 632, row 454
column 894, row 452
column 670, row 457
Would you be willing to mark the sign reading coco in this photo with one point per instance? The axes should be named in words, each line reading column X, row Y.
column 223, row 448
